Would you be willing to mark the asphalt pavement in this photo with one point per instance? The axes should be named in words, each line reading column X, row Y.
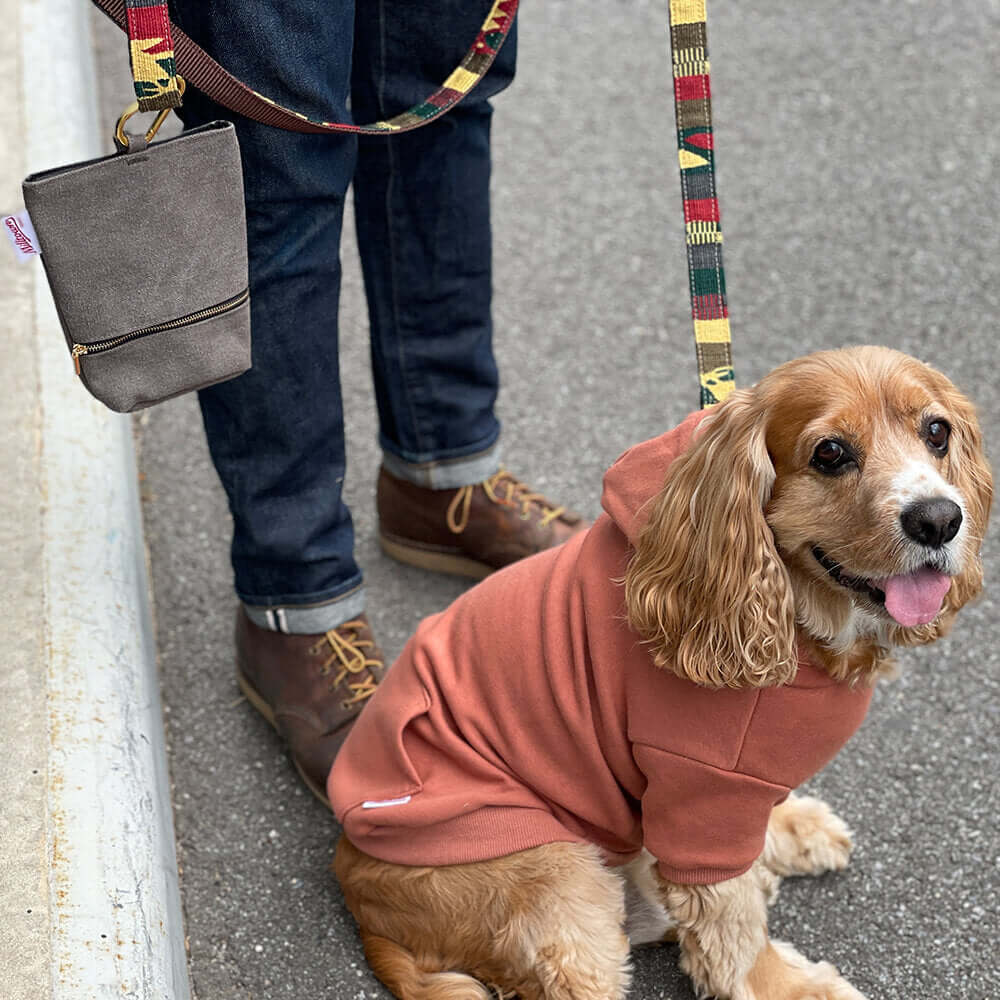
column 857, row 148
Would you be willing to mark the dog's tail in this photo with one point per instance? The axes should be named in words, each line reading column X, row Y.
column 397, row 967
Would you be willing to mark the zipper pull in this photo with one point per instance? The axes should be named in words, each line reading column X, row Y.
column 78, row 349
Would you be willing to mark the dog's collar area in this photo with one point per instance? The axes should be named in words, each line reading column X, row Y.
column 856, row 583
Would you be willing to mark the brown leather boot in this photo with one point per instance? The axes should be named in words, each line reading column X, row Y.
column 311, row 688
column 473, row 530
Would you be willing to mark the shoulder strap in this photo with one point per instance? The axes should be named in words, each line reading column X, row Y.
column 693, row 108
column 159, row 51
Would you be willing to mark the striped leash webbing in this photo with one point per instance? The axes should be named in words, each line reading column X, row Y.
column 703, row 232
column 159, row 51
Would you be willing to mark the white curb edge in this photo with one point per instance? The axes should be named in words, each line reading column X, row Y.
column 115, row 913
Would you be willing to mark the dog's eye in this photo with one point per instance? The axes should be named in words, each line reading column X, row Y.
column 831, row 456
column 937, row 434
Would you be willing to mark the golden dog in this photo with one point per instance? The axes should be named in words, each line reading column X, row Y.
column 832, row 512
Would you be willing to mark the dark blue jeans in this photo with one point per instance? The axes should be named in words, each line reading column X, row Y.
column 276, row 434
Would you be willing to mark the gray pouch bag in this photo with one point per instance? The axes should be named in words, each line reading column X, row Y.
column 146, row 255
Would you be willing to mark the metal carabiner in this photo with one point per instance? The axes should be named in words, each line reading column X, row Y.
column 121, row 139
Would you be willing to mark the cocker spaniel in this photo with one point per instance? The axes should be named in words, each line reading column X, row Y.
column 597, row 746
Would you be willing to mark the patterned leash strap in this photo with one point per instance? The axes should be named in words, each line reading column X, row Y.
column 693, row 108
column 159, row 51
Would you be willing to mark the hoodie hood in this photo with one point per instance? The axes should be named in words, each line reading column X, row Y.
column 639, row 474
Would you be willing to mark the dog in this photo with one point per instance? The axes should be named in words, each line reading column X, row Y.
column 598, row 746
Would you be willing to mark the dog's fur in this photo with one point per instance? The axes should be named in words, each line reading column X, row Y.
column 553, row 922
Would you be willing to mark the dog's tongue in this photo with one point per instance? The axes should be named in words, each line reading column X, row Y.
column 915, row 598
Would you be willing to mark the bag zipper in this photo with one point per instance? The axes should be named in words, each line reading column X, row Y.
column 78, row 350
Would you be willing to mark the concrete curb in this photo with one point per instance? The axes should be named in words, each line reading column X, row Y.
column 87, row 833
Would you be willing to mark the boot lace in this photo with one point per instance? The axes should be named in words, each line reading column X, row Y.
column 506, row 490
column 348, row 657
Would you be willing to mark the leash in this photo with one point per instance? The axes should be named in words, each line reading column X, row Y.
column 159, row 52
column 161, row 55
column 703, row 232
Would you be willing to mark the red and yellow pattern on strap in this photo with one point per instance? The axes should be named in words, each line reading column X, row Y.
column 466, row 75
column 151, row 53
column 696, row 152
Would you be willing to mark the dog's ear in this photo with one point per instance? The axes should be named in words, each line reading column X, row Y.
column 706, row 588
column 969, row 470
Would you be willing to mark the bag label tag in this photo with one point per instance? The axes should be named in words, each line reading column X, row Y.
column 22, row 235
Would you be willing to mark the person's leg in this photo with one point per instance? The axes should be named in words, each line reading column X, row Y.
column 423, row 223
column 276, row 434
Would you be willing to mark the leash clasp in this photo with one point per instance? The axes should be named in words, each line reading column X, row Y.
column 121, row 139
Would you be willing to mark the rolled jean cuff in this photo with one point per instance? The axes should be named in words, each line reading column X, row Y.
column 309, row 619
column 447, row 473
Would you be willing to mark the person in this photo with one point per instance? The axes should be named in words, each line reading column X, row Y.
column 306, row 655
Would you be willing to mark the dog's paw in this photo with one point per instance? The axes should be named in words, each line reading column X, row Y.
column 781, row 973
column 805, row 837
column 813, row 980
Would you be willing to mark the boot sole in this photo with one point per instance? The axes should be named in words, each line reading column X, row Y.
column 254, row 697
column 437, row 562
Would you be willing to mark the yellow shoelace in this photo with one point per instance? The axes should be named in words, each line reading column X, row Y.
column 504, row 489
column 349, row 652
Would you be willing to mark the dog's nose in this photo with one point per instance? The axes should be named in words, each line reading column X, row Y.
column 932, row 522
